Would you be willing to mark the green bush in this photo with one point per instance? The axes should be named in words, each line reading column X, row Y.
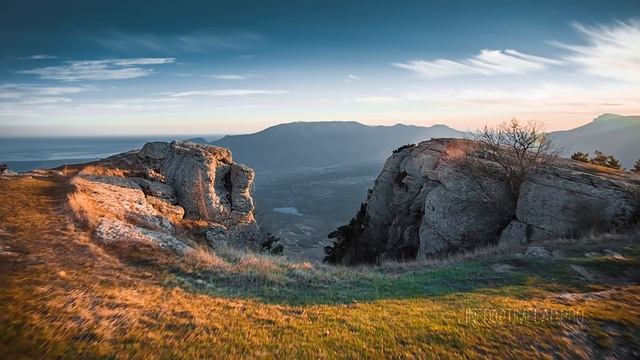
column 271, row 245
column 605, row 160
column 345, row 236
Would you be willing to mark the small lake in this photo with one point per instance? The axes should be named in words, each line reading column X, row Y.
column 288, row 211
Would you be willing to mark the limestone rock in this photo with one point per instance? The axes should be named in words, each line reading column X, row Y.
column 427, row 201
column 564, row 200
column 208, row 185
column 537, row 251
column 217, row 235
column 164, row 185
column 502, row 268
column 158, row 190
column 123, row 199
column 518, row 233
column 155, row 150
column 110, row 231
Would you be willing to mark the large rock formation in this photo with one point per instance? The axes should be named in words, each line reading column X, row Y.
column 152, row 193
column 425, row 202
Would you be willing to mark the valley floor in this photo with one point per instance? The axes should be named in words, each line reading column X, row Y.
column 63, row 296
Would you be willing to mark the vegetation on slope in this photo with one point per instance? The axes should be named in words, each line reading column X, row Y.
column 64, row 296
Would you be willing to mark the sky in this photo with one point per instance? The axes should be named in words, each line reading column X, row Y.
column 214, row 67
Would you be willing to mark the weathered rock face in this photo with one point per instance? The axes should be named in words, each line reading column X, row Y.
column 165, row 184
column 425, row 203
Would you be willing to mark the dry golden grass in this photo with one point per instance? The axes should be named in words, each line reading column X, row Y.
column 82, row 206
column 64, row 297
column 100, row 170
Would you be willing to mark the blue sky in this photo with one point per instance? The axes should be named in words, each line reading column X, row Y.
column 165, row 67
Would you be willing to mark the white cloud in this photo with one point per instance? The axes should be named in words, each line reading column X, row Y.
column 234, row 76
column 229, row 92
column 195, row 42
column 611, row 51
column 488, row 62
column 112, row 69
column 40, row 57
column 37, row 94
column 351, row 78
column 379, row 99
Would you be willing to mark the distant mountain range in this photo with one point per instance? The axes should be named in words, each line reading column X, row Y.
column 329, row 143
column 321, row 144
column 614, row 134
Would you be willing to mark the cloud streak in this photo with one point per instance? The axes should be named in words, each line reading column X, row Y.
column 228, row 92
column 379, row 99
column 487, row 62
column 29, row 94
column 112, row 69
column 611, row 51
column 40, row 57
column 195, row 42
column 234, row 76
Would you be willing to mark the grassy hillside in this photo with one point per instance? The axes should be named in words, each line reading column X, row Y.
column 64, row 296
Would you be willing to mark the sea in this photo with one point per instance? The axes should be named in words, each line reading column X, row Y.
column 24, row 153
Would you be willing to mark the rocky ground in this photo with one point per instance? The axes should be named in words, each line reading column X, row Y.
column 66, row 295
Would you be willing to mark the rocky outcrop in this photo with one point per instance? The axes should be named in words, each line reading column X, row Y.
column 426, row 203
column 166, row 187
column 5, row 171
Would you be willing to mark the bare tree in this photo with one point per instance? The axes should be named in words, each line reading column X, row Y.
column 518, row 149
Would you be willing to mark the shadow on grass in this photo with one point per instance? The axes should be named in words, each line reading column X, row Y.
column 344, row 286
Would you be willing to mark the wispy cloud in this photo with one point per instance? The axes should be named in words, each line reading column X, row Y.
column 234, row 76
column 113, row 69
column 228, row 92
column 195, row 42
column 351, row 78
column 488, row 62
column 379, row 99
column 611, row 51
column 40, row 57
column 29, row 94
column 13, row 91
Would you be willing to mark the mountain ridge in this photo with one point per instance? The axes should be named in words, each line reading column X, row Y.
column 326, row 143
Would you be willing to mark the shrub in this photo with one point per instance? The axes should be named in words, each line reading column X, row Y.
column 519, row 149
column 606, row 160
column 636, row 166
column 403, row 147
column 271, row 245
column 579, row 156
column 345, row 236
